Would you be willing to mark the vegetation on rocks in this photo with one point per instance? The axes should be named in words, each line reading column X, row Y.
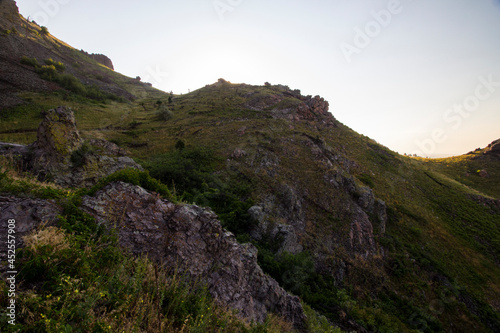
column 382, row 242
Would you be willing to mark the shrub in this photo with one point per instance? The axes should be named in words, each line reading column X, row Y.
column 71, row 83
column 180, row 145
column 164, row 113
column 80, row 156
column 52, row 71
column 57, row 64
column 30, row 61
column 135, row 177
column 44, row 30
column 47, row 72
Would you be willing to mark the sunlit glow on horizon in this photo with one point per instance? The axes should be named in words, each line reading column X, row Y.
column 411, row 66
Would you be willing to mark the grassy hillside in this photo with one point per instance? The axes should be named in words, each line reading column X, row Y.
column 435, row 263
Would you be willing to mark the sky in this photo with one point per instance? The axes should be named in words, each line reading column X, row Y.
column 418, row 76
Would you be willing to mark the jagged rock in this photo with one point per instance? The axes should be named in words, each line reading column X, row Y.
column 493, row 149
column 280, row 217
column 493, row 204
column 60, row 155
column 380, row 210
column 28, row 215
column 102, row 59
column 278, row 232
column 184, row 237
column 290, row 104
column 192, row 239
column 365, row 198
column 9, row 11
column 57, row 136
column 361, row 238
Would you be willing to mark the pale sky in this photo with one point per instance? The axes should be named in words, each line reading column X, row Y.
column 418, row 76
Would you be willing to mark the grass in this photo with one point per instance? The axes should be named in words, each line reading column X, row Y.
column 74, row 277
column 104, row 290
column 440, row 250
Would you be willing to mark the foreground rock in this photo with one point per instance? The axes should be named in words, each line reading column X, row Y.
column 60, row 155
column 192, row 239
column 28, row 214
column 184, row 237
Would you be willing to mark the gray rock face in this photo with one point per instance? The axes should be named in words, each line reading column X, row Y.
column 57, row 136
column 101, row 58
column 280, row 233
column 192, row 239
column 184, row 237
column 9, row 11
column 28, row 214
column 58, row 140
column 493, row 149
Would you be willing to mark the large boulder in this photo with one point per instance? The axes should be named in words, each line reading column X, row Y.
column 192, row 239
column 181, row 237
column 57, row 135
column 102, row 59
column 60, row 154
column 493, row 149
column 26, row 214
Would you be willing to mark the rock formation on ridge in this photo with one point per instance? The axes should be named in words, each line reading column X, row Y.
column 60, row 155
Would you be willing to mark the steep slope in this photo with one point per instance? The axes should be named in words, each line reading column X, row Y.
column 371, row 239
column 373, row 223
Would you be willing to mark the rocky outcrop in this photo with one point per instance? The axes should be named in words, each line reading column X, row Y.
column 28, row 214
column 289, row 104
column 493, row 149
column 192, row 239
column 57, row 136
column 492, row 204
column 183, row 237
column 102, row 59
column 10, row 13
column 60, row 155
column 283, row 235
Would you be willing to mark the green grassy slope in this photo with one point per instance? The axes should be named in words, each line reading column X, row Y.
column 437, row 265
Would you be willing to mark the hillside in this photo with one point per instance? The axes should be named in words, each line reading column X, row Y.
column 372, row 240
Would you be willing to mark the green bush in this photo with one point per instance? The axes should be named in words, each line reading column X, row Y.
column 192, row 171
column 80, row 156
column 57, row 64
column 44, row 30
column 135, row 177
column 367, row 179
column 30, row 61
column 48, row 72
column 7, row 32
column 52, row 71
column 164, row 113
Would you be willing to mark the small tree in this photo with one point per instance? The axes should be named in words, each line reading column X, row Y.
column 44, row 30
column 180, row 145
column 164, row 113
